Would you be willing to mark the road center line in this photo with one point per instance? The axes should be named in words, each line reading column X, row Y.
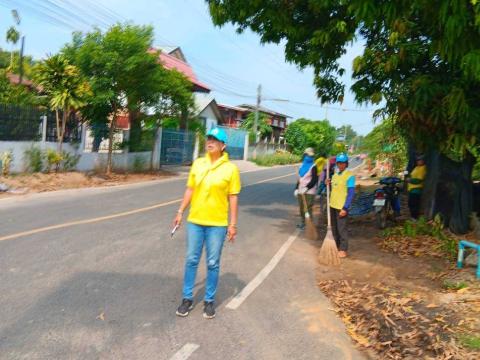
column 113, row 216
column 262, row 275
column 185, row 352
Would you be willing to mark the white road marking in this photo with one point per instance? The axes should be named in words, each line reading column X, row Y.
column 185, row 352
column 262, row 275
column 267, row 180
column 113, row 216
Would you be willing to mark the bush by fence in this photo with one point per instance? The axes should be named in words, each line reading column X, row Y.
column 279, row 158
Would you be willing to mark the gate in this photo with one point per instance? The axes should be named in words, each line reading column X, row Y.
column 177, row 147
column 235, row 142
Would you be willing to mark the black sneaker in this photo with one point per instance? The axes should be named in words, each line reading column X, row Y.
column 185, row 307
column 209, row 310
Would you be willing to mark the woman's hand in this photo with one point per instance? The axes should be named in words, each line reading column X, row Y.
column 343, row 213
column 178, row 219
column 231, row 233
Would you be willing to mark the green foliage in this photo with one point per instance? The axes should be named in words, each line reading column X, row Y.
column 454, row 285
column 421, row 59
column 386, row 142
column 64, row 86
column 14, row 93
column 263, row 127
column 33, row 159
column 422, row 227
column 6, row 159
column 348, row 131
column 476, row 171
column 124, row 73
column 170, row 123
column 304, row 133
column 69, row 161
column 470, row 341
column 279, row 158
column 53, row 159
column 139, row 164
column 338, row 147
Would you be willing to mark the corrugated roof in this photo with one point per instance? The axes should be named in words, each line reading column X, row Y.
column 202, row 101
column 237, row 108
column 264, row 110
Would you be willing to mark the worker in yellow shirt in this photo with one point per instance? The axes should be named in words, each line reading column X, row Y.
column 212, row 188
column 341, row 197
column 415, row 187
column 320, row 163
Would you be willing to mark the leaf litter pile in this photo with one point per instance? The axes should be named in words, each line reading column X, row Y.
column 396, row 325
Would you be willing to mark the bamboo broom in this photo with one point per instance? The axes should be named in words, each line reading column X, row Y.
column 310, row 229
column 328, row 254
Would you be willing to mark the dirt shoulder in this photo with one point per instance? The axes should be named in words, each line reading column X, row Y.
column 402, row 297
column 40, row 182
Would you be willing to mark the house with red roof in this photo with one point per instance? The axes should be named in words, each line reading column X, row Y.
column 233, row 116
column 173, row 58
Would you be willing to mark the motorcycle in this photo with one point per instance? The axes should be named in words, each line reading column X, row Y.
column 386, row 203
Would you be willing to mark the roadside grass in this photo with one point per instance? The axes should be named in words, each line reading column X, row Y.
column 470, row 341
column 454, row 285
column 283, row 158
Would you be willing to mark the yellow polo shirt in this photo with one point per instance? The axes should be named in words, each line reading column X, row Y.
column 320, row 162
column 340, row 184
column 212, row 184
column 419, row 173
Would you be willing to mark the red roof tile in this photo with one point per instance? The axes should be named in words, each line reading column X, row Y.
column 171, row 62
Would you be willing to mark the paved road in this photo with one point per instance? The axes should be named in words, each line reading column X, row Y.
column 106, row 287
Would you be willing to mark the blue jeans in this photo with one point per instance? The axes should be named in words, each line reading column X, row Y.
column 213, row 238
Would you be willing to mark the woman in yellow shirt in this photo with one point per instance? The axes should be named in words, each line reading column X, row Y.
column 212, row 188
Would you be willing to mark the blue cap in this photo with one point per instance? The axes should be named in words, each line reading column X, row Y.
column 342, row 157
column 218, row 133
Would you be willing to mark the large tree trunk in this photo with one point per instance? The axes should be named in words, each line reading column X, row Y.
column 448, row 190
column 135, row 131
column 184, row 120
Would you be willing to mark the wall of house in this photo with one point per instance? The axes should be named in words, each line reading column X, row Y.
column 210, row 117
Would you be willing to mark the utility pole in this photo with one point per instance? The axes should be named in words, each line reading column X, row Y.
column 257, row 115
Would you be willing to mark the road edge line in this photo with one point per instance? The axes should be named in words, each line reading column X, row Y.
column 263, row 274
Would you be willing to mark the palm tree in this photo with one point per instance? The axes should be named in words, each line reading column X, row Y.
column 64, row 87
column 12, row 37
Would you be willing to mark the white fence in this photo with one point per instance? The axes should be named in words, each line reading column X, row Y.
column 89, row 161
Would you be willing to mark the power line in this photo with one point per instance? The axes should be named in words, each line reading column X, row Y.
column 319, row 105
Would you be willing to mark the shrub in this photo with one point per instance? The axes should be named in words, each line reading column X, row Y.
column 70, row 161
column 284, row 158
column 6, row 159
column 138, row 163
column 53, row 159
column 33, row 159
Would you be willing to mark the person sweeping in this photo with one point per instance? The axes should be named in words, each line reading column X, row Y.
column 306, row 187
column 212, row 188
column 342, row 194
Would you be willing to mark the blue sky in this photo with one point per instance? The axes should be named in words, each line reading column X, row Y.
column 229, row 63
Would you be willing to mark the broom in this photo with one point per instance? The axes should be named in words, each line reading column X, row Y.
column 328, row 254
column 310, row 230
